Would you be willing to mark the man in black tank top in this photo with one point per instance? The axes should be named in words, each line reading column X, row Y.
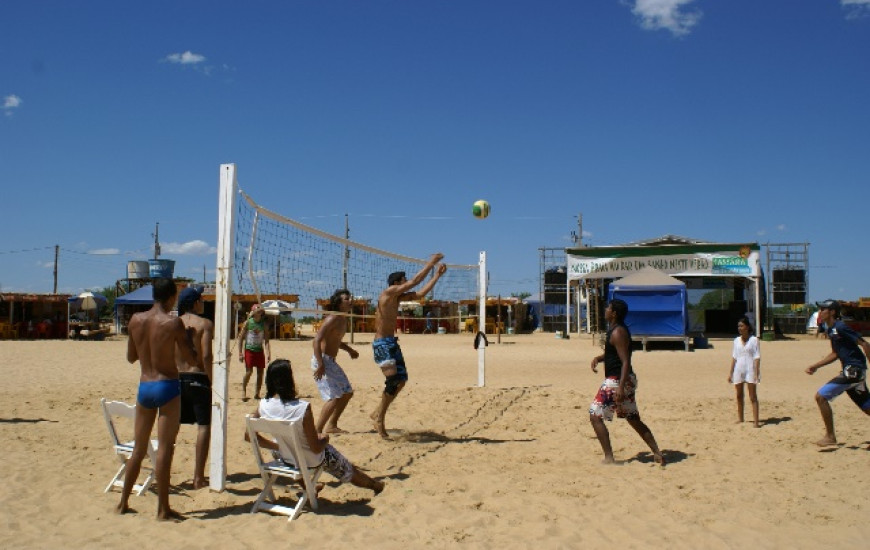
column 616, row 394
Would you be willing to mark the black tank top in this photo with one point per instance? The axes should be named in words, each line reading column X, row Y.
column 612, row 362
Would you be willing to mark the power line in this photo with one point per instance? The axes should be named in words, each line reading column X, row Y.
column 26, row 250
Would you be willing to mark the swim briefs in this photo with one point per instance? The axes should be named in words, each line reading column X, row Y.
column 156, row 393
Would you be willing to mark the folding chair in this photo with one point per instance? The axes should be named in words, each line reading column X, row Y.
column 123, row 450
column 286, row 434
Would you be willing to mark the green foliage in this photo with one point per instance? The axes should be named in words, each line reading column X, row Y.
column 110, row 293
column 520, row 295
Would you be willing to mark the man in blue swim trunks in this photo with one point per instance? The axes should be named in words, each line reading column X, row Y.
column 153, row 338
column 847, row 346
column 388, row 354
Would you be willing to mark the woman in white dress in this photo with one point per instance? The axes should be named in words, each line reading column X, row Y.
column 746, row 368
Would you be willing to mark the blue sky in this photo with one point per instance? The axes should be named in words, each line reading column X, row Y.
column 731, row 121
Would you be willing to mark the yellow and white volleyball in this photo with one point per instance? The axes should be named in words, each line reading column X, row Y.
column 480, row 209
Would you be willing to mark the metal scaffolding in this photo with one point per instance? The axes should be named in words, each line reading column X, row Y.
column 788, row 277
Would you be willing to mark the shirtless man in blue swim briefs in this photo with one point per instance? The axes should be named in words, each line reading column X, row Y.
column 388, row 354
column 153, row 338
column 852, row 350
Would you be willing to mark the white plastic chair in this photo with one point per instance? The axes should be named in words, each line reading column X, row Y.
column 288, row 437
column 123, row 449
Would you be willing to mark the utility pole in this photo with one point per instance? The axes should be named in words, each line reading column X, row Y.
column 56, row 254
column 577, row 236
column 156, row 236
column 346, row 251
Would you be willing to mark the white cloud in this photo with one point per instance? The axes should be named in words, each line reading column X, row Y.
column 856, row 8
column 186, row 58
column 666, row 14
column 781, row 227
column 11, row 102
column 105, row 251
column 761, row 232
column 197, row 62
column 191, row 248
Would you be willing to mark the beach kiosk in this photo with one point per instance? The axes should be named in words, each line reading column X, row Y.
column 699, row 264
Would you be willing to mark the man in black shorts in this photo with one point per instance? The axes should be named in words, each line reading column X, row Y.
column 196, row 379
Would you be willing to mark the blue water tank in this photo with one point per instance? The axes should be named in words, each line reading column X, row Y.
column 161, row 268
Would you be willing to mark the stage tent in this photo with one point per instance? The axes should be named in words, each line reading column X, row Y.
column 141, row 296
column 658, row 304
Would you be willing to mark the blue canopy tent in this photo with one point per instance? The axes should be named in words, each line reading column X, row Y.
column 142, row 296
column 658, row 305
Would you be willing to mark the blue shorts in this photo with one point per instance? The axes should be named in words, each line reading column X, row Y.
column 155, row 394
column 388, row 354
column 853, row 381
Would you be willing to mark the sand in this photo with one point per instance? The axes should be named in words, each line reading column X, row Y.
column 510, row 465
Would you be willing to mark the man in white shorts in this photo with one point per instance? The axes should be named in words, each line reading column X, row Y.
column 331, row 380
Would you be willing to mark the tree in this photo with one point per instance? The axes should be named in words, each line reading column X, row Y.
column 520, row 295
column 110, row 293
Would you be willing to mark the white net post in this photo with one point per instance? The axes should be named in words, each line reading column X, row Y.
column 481, row 323
column 222, row 325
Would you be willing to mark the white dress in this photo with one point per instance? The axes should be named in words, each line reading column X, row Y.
column 745, row 356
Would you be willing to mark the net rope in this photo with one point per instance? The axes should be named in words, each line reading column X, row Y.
column 275, row 255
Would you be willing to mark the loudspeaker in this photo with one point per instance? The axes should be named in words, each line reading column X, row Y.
column 554, row 295
column 555, row 278
column 789, row 276
column 789, row 297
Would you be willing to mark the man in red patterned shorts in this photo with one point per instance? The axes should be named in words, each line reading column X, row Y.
column 616, row 394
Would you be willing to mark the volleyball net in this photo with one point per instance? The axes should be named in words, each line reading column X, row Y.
column 278, row 256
